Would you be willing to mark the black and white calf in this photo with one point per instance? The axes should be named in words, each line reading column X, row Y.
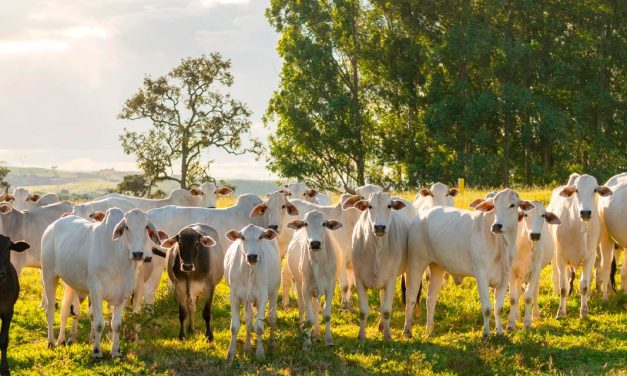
column 10, row 288
column 195, row 265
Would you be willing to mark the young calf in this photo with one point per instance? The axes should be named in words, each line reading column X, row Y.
column 312, row 261
column 95, row 259
column 535, row 251
column 379, row 255
column 252, row 268
column 195, row 266
column 10, row 288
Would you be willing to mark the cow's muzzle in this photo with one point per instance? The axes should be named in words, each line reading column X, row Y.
column 585, row 214
column 252, row 259
column 534, row 236
column 379, row 230
column 138, row 256
column 187, row 267
column 497, row 228
column 315, row 245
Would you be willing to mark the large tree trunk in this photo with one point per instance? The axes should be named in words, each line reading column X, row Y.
column 357, row 121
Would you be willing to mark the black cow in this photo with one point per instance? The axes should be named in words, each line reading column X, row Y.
column 10, row 288
column 195, row 265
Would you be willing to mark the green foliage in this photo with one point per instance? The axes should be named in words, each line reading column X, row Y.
column 498, row 92
column 190, row 111
column 135, row 185
column 4, row 171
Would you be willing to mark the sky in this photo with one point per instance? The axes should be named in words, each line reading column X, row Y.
column 67, row 66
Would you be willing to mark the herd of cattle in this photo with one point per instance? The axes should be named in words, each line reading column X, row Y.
column 116, row 248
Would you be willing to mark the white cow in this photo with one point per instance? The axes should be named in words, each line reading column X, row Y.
column 95, row 259
column 379, row 255
column 203, row 197
column 577, row 238
column 616, row 179
column 252, row 270
column 535, row 251
column 171, row 219
column 613, row 218
column 312, row 260
column 24, row 200
column 302, row 192
column 86, row 210
column 481, row 244
column 438, row 195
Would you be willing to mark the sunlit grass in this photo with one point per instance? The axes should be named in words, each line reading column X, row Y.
column 596, row 345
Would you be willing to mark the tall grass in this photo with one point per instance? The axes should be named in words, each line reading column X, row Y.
column 595, row 345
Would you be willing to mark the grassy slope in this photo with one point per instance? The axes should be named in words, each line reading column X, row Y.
column 596, row 345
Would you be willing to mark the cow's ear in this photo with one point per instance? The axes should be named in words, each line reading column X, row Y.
column 157, row 252
column 397, row 204
column 153, row 234
column 424, row 192
column 19, row 246
column 361, row 205
column 350, row 202
column 551, row 218
column 526, row 205
column 258, row 210
column 5, row 208
column 269, row 234
column 34, row 197
column 603, row 191
column 291, row 209
column 207, row 241
column 311, row 193
column 286, row 192
column 568, row 191
column 453, row 192
column 476, row 202
column 119, row 229
column 332, row 224
column 196, row 192
column 297, row 224
column 521, row 215
column 224, row 191
column 162, row 235
column 170, row 242
column 234, row 235
column 98, row 216
column 485, row 206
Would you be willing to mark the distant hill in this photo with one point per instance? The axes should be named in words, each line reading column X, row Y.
column 96, row 183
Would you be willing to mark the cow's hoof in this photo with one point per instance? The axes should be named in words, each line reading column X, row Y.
column 50, row 345
column 230, row 355
column 560, row 315
column 511, row 327
column 485, row 334
column 116, row 356
column 261, row 355
column 408, row 334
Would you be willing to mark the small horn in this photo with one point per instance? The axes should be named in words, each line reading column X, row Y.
column 387, row 187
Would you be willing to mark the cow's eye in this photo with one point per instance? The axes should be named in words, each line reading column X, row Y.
column 369, row 206
column 512, row 205
column 526, row 215
column 389, row 206
column 283, row 207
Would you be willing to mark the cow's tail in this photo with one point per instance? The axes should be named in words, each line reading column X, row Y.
column 572, row 280
column 613, row 273
column 404, row 290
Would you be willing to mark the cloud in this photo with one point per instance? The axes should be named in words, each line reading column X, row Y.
column 80, row 32
column 214, row 3
column 32, row 46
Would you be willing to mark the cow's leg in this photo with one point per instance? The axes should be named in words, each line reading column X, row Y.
column 98, row 324
column 364, row 309
column 315, row 303
column 381, row 302
column 514, row 308
column 623, row 268
column 300, row 300
column 309, row 318
column 248, row 319
column 555, row 276
column 499, row 300
column 563, row 272
column 286, row 283
column 192, row 314
column 182, row 317
column 531, row 293
column 206, row 312
column 273, row 316
column 606, row 248
column 484, row 295
column 261, row 311
column 68, row 298
column 4, row 340
column 116, row 323
column 350, row 275
column 437, row 279
column 235, row 324
column 343, row 278
column 584, row 285
column 413, row 280
column 50, row 283
column 152, row 284
column 386, row 307
column 326, row 314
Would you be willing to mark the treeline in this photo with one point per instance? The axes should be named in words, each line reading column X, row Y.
column 411, row 91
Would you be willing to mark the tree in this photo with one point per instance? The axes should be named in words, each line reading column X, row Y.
column 323, row 128
column 4, row 171
column 190, row 111
column 135, row 185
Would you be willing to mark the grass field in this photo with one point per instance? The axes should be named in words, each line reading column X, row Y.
column 595, row 345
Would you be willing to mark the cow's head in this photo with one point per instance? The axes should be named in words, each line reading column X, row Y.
column 276, row 208
column 6, row 246
column 301, row 191
column 505, row 206
column 584, row 188
column 209, row 192
column 314, row 225
column 378, row 210
column 533, row 220
column 440, row 193
column 251, row 241
column 132, row 230
column 191, row 245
